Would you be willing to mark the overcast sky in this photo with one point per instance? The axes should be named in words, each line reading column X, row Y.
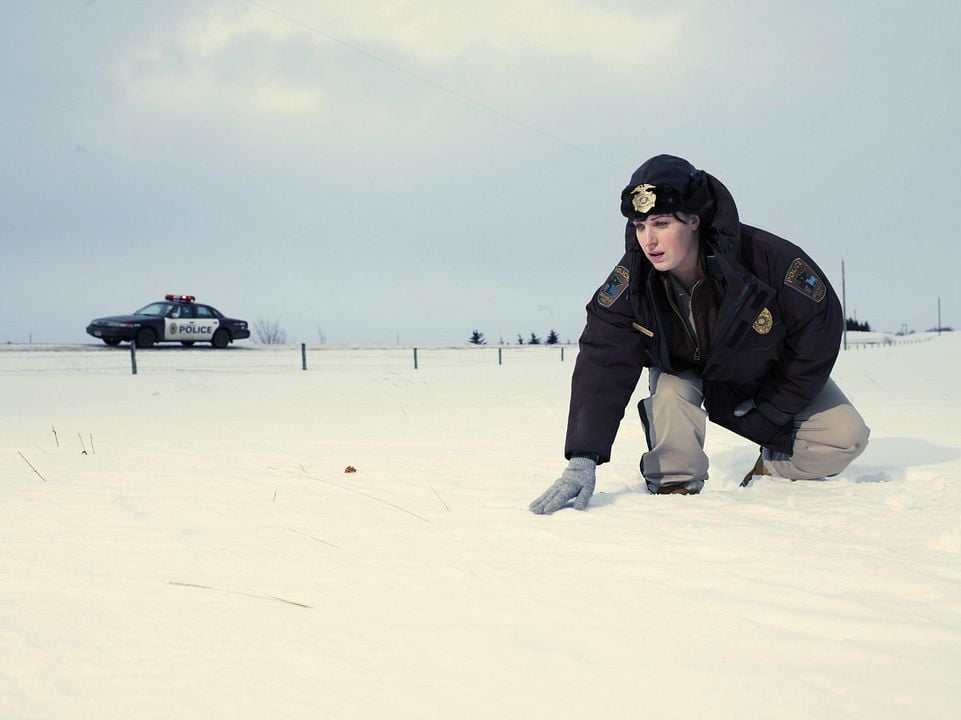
column 373, row 172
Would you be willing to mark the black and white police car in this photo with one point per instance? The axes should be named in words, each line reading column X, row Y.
column 175, row 319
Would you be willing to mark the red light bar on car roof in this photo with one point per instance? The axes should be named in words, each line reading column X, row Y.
column 180, row 298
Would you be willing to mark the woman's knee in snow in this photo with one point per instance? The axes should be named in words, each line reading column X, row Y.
column 849, row 433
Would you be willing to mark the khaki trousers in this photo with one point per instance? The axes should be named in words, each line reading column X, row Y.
column 829, row 435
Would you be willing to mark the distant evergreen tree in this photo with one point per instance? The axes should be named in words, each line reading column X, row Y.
column 477, row 338
column 520, row 339
column 852, row 324
column 534, row 340
column 552, row 338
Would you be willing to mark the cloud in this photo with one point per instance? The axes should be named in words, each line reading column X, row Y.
column 217, row 61
column 434, row 33
column 299, row 59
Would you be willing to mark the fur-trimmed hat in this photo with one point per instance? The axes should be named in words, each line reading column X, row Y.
column 665, row 184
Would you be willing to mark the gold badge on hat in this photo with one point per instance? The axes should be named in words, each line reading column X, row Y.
column 764, row 322
column 643, row 199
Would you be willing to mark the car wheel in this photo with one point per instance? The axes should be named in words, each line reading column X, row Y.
column 220, row 339
column 146, row 337
column 187, row 343
column 112, row 342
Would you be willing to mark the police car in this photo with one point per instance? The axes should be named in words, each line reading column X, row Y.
column 176, row 319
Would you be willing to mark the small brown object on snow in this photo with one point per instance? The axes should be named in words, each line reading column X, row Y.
column 758, row 469
column 349, row 469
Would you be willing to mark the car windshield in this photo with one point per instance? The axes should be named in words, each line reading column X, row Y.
column 157, row 309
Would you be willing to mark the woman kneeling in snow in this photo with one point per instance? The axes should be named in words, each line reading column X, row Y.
column 735, row 324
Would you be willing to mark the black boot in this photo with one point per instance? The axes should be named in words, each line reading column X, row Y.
column 675, row 490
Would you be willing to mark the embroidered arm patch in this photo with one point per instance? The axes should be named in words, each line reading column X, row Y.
column 614, row 287
column 802, row 278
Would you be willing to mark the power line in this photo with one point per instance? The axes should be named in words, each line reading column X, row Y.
column 436, row 85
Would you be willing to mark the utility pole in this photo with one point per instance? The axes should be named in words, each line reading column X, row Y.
column 939, row 317
column 844, row 305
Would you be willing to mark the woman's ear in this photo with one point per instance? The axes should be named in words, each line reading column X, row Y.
column 695, row 222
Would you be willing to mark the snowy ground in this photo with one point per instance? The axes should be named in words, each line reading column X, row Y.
column 208, row 557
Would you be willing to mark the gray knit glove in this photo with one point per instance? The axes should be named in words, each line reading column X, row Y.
column 577, row 481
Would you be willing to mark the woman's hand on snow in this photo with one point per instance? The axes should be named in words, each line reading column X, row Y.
column 577, row 482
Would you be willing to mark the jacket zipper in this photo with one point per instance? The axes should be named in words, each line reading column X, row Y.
column 692, row 337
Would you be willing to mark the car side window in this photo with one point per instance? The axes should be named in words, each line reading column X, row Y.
column 204, row 312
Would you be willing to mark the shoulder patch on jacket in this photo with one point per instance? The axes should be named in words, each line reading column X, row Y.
column 802, row 278
column 614, row 286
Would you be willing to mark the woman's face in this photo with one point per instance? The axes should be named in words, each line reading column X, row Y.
column 670, row 244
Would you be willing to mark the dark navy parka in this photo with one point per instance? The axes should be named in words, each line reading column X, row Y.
column 782, row 369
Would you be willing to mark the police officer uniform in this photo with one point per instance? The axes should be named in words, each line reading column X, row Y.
column 751, row 347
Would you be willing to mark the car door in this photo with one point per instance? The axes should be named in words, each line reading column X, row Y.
column 179, row 323
column 207, row 322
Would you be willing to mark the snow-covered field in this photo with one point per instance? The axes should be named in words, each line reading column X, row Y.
column 194, row 549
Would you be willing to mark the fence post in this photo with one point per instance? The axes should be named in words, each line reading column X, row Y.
column 562, row 354
column 303, row 356
column 415, row 358
column 500, row 356
column 133, row 357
